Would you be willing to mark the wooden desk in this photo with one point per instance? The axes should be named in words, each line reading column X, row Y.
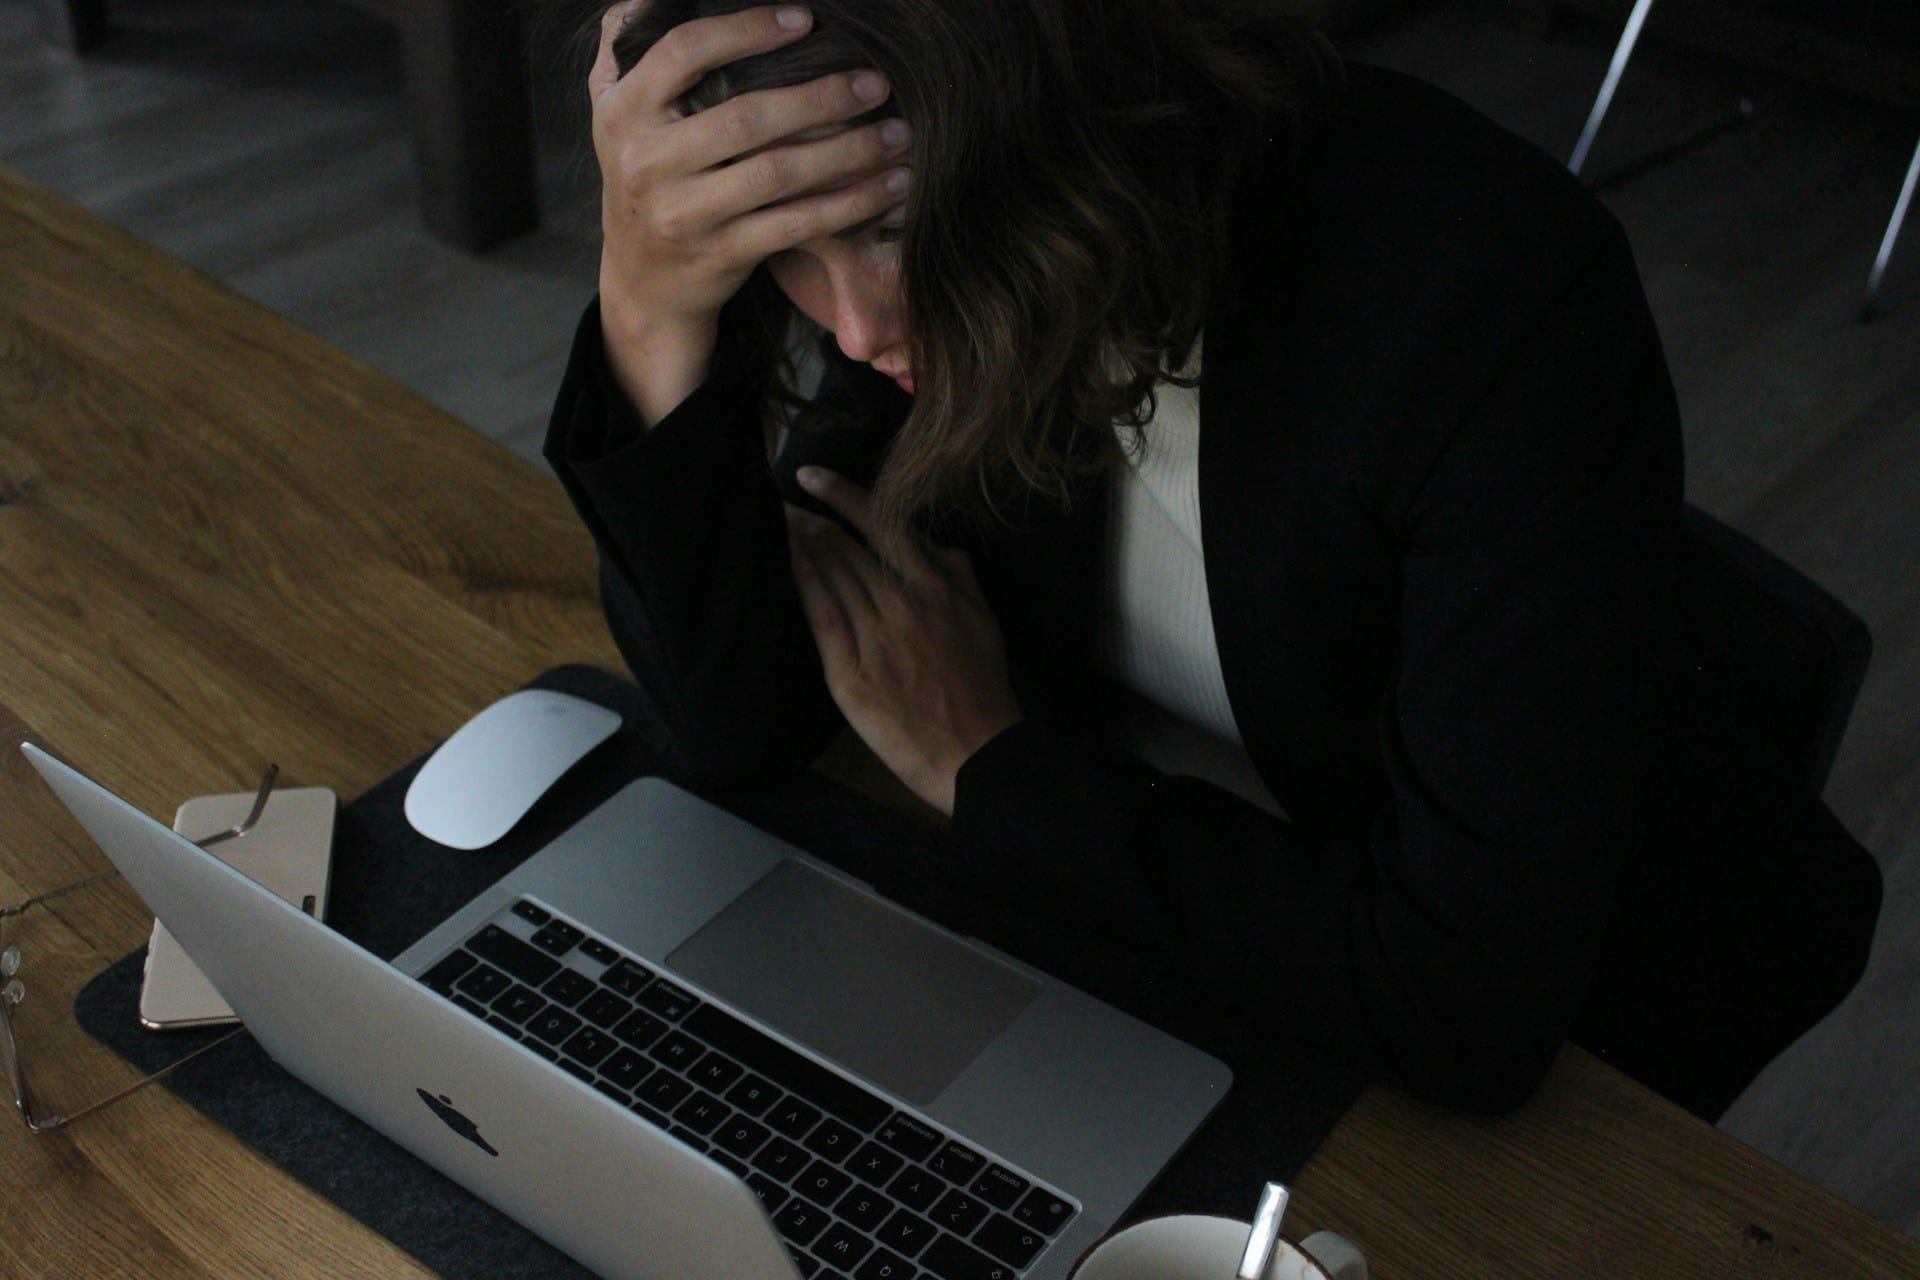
column 222, row 542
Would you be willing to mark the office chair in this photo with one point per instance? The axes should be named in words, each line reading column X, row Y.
column 1758, row 919
column 1603, row 101
column 1792, row 657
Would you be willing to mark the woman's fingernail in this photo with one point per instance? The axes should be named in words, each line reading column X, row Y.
column 810, row 477
column 793, row 19
column 899, row 180
column 868, row 86
column 895, row 133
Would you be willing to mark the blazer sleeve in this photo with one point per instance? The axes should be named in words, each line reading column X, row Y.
column 694, row 575
column 1446, row 945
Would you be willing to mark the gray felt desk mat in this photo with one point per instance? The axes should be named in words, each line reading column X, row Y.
column 390, row 886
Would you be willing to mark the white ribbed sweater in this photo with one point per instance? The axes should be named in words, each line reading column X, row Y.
column 1155, row 636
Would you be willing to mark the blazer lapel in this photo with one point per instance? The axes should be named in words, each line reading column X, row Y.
column 1301, row 582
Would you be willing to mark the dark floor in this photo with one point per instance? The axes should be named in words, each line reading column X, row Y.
column 264, row 140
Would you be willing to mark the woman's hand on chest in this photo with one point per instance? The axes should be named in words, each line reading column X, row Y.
column 913, row 657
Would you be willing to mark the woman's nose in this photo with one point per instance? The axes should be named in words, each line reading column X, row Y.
column 860, row 331
column 866, row 321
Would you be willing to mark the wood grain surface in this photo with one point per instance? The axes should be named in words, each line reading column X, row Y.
column 222, row 542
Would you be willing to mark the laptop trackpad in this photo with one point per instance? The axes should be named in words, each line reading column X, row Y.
column 855, row 979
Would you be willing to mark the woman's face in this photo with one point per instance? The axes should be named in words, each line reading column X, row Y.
column 849, row 285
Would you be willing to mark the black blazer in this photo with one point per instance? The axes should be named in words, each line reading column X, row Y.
column 1440, row 492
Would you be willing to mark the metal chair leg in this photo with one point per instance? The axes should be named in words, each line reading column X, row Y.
column 1621, row 54
column 1885, row 255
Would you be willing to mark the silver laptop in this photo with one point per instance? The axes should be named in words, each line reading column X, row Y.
column 678, row 1048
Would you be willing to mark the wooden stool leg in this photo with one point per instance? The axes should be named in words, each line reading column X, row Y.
column 467, row 88
column 77, row 24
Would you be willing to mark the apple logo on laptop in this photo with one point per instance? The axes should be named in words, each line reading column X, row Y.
column 443, row 1107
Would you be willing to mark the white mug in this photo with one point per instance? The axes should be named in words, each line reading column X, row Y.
column 1194, row 1247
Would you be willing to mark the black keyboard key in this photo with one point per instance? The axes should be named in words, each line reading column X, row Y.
column 667, row 1000
column 957, row 1164
column 1008, row 1241
column 603, row 1008
column 626, row 978
column 753, row 1095
column 874, row 1165
column 917, row 1187
column 885, row 1265
column 788, row 1069
column 567, row 987
column 471, row 1005
column 793, row 1117
column 663, row 1090
column 840, row 1247
column 689, row 1138
column 505, row 1028
column 516, row 1004
column 771, row 1193
column 782, row 1160
column 557, row 938
column 484, row 983
column 589, row 1045
column 626, row 1068
column 576, row 1070
column 906, row 1232
column 809, row 1267
column 553, row 1026
column 496, row 946
column 741, row 1136
column 618, row 1095
column 958, row 1212
column 532, row 914
column 1001, row 1188
column 716, row 1071
column 441, row 977
column 864, row 1207
column 702, row 1113
column 655, row 1118
column 910, row 1137
column 832, row 1140
column 598, row 951
column 731, row 1163
column 1044, row 1211
column 546, row 1051
column 678, row 1050
column 822, row 1183
column 800, row 1222
column 948, row 1259
column 640, row 1029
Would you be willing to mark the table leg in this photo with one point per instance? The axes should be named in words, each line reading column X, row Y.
column 467, row 89
column 77, row 24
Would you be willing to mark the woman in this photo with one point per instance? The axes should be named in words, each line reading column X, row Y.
column 1408, row 606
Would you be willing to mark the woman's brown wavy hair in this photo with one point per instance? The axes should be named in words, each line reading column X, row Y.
column 1074, row 163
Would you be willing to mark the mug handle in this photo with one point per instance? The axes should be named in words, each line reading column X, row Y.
column 1339, row 1256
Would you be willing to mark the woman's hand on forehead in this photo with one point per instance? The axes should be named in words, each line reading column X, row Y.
column 691, row 205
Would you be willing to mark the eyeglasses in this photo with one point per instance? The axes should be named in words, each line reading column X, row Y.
column 18, row 924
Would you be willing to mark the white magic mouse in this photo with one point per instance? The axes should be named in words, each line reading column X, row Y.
column 494, row 768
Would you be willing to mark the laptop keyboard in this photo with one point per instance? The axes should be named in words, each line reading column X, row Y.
column 858, row 1189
